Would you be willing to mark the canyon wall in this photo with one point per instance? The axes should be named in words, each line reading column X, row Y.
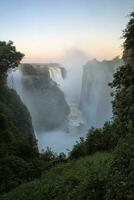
column 95, row 101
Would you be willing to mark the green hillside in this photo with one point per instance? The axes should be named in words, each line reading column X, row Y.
column 77, row 179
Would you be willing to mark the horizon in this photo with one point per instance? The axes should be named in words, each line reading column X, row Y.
column 89, row 60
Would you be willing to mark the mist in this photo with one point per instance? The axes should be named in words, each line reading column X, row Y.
column 65, row 99
column 95, row 101
column 73, row 60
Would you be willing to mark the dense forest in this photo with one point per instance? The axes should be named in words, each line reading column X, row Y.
column 100, row 167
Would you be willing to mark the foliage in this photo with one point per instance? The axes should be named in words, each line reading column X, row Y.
column 123, row 103
column 123, row 83
column 118, row 134
column 76, row 180
column 103, row 176
column 17, row 141
column 16, row 132
column 101, row 139
column 9, row 58
column 98, row 139
column 128, row 35
column 13, row 171
column 79, row 150
column 121, row 175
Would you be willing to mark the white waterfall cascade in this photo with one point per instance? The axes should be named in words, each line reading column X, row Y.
column 76, row 125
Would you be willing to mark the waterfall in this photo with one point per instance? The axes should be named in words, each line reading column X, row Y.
column 22, row 81
column 14, row 80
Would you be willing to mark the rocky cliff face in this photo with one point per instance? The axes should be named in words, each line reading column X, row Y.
column 95, row 102
column 44, row 99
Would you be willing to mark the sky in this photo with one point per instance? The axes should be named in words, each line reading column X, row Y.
column 45, row 30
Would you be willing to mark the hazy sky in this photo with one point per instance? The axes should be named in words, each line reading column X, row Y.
column 45, row 29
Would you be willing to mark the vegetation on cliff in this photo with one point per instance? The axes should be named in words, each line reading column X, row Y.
column 20, row 160
column 101, row 166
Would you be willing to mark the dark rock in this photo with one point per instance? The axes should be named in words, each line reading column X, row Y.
column 44, row 99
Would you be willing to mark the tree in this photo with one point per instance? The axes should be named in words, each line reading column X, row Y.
column 123, row 104
column 9, row 58
column 121, row 174
column 128, row 35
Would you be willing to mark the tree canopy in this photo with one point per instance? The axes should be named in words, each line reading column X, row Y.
column 123, row 104
column 9, row 58
column 128, row 35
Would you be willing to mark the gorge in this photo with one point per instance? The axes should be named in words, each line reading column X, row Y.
column 60, row 114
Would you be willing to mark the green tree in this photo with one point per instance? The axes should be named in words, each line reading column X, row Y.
column 128, row 35
column 9, row 58
column 121, row 174
column 123, row 103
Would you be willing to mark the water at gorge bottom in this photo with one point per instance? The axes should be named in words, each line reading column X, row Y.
column 60, row 140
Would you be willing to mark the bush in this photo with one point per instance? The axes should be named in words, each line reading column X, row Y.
column 98, row 139
column 79, row 149
column 13, row 172
column 81, row 179
column 121, row 174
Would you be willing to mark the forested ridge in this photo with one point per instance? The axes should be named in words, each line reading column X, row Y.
column 101, row 166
